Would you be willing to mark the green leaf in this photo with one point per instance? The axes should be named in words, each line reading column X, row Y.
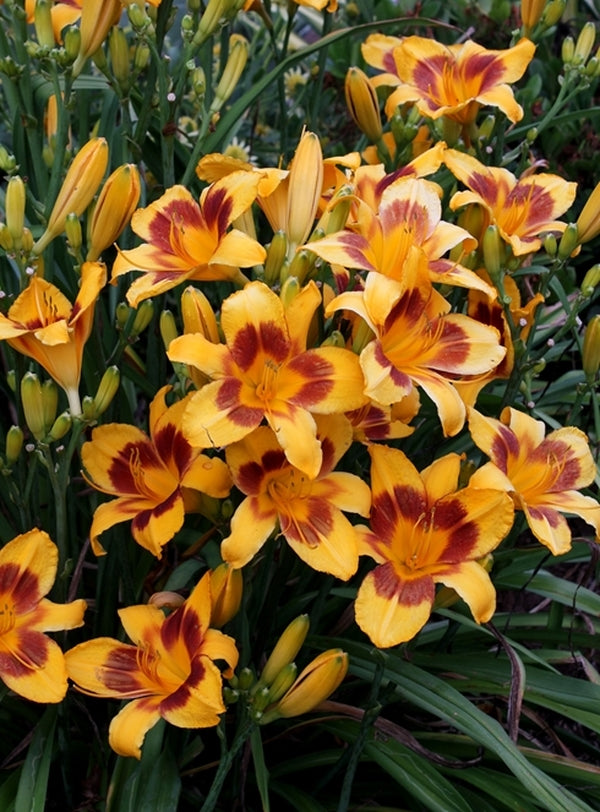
column 260, row 769
column 33, row 783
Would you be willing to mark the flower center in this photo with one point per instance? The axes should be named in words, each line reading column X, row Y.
column 290, row 485
column 7, row 617
column 267, row 386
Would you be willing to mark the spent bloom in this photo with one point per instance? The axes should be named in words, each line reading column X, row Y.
column 543, row 474
column 168, row 671
column 31, row 664
column 307, row 511
column 156, row 479
column 424, row 532
column 43, row 324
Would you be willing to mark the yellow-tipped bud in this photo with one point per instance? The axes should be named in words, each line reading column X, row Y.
column 531, row 11
column 336, row 216
column 300, row 266
column 122, row 312
column 591, row 280
column 553, row 12
column 72, row 42
column 286, row 648
column 588, row 222
column 198, row 315
column 289, row 290
column 282, row 682
column 143, row 317
column 33, row 405
column 584, row 44
column 568, row 242
column 42, row 21
column 493, row 251
column 550, row 244
column 14, row 444
column 73, row 232
column 138, row 17
column 97, row 18
column 305, row 187
column 236, row 62
column 226, row 586
column 119, row 57
column 49, row 402
column 141, row 57
column 590, row 355
column 79, row 187
column 567, row 50
column 15, row 209
column 107, row 389
column 316, row 682
column 334, row 339
column 362, row 102
column 276, row 254
column 60, row 427
column 167, row 327
column 116, row 203
column 210, row 20
column 6, row 240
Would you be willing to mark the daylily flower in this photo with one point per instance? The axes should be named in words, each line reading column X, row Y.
column 418, row 342
column 423, row 532
column 156, row 478
column 307, row 511
column 186, row 240
column 168, row 672
column 42, row 324
column 265, row 372
column 542, row 474
column 522, row 208
column 390, row 422
column 31, row 664
column 456, row 80
column 408, row 220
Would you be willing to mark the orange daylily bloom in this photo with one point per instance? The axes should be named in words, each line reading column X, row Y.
column 42, row 324
column 543, row 474
column 169, row 672
column 423, row 532
column 307, row 511
column 376, row 421
column 456, row 80
column 418, row 342
column 155, row 478
column 522, row 208
column 186, row 240
column 407, row 220
column 31, row 664
column 265, row 372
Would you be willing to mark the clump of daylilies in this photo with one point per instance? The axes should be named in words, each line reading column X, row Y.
column 361, row 316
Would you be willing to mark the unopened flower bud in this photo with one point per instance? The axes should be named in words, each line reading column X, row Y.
column 590, row 355
column 210, row 20
column 198, row 82
column 486, row 128
column 137, row 17
column 336, row 216
column 107, row 389
column 584, row 44
column 362, row 102
column 79, row 187
column 72, row 42
column 33, row 405
column 276, row 254
column 60, row 427
column 167, row 327
column 15, row 209
column 97, row 18
column 143, row 316
column 236, row 62
column 300, row 265
column 14, row 444
column 591, row 280
column 289, row 290
column 305, row 187
column 316, row 682
column 73, row 232
column 567, row 50
column 166, row 600
column 226, row 586
column 550, row 244
column 198, row 315
column 588, row 222
column 6, row 240
column 282, row 682
column 49, row 402
column 286, row 648
column 493, row 252
column 553, row 12
column 141, row 57
column 116, row 203
column 8, row 162
column 119, row 57
column 334, row 339
column 568, row 241
column 43, row 24
column 531, row 11
column 122, row 313
column 246, row 679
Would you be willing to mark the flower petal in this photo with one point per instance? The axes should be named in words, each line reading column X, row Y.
column 129, row 727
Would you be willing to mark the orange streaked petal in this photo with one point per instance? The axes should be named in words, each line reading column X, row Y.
column 321, row 536
column 53, row 617
column 251, row 525
column 28, row 569
column 33, row 666
column 198, row 701
column 472, row 583
column 129, row 727
column 217, row 415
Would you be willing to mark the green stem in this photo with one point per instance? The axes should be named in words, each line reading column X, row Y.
column 226, row 761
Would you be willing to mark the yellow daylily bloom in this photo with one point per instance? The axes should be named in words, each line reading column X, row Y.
column 43, row 324
column 154, row 478
column 543, row 474
column 417, row 342
column 31, row 664
column 423, row 531
column 168, row 672
column 186, row 240
column 523, row 208
column 264, row 371
column 456, row 80
column 307, row 511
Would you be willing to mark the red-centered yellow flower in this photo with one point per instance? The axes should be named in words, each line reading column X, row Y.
column 408, row 219
column 186, row 240
column 265, row 372
column 43, row 324
column 307, row 511
column 378, row 422
column 378, row 51
column 523, row 208
column 456, row 80
column 423, row 532
column 156, row 479
column 168, row 672
column 31, row 664
column 542, row 474
column 418, row 342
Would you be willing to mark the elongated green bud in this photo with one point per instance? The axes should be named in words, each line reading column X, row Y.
column 33, row 405
column 238, row 56
column 108, row 388
column 282, row 682
column 590, row 355
column 15, row 209
column 60, row 427
column 568, row 242
column 286, row 648
column 14, row 444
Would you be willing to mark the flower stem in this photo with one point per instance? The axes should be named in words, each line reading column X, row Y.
column 227, row 757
